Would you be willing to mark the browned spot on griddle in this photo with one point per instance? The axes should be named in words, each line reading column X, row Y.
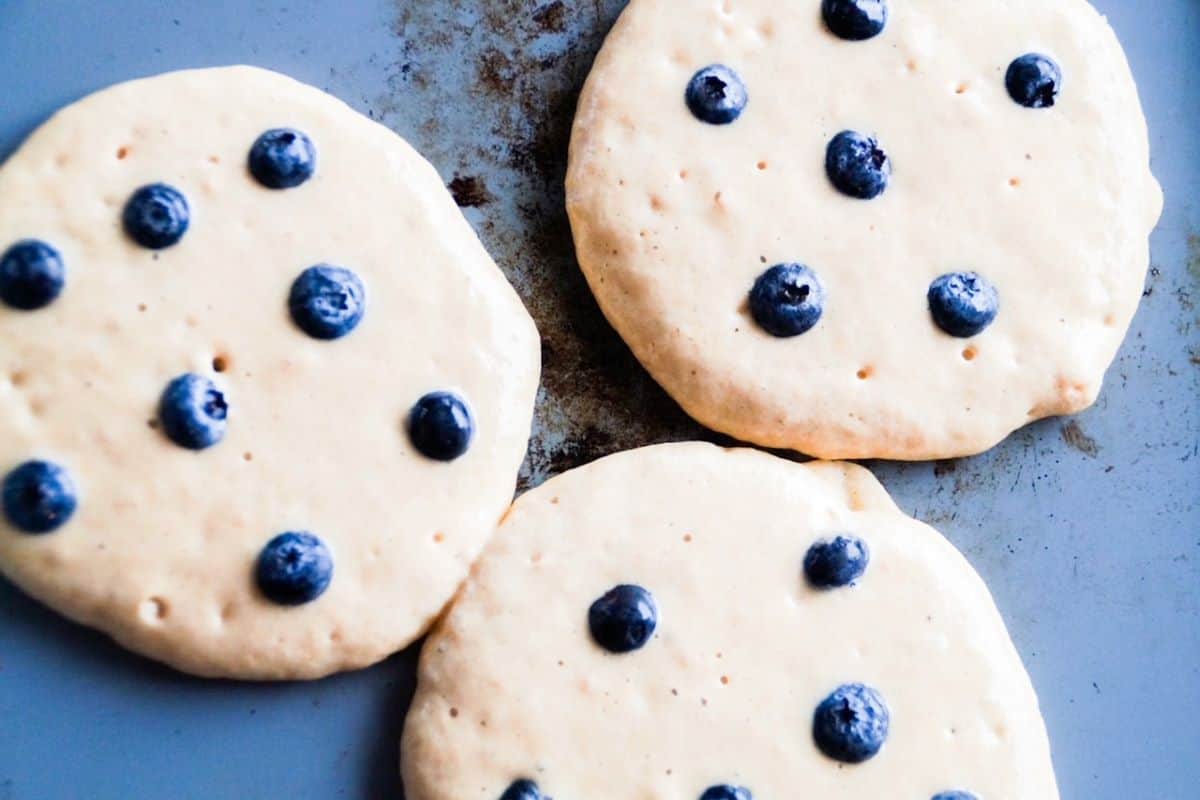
column 552, row 16
column 470, row 191
column 944, row 468
column 496, row 72
column 1193, row 264
column 1074, row 435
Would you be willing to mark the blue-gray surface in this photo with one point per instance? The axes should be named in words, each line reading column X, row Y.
column 1088, row 531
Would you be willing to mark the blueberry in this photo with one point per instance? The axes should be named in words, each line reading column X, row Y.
column 963, row 304
column 855, row 20
column 857, row 166
column 282, row 158
column 39, row 497
column 1034, row 80
column 523, row 789
column 294, row 569
column 156, row 216
column 327, row 302
column 31, row 275
column 716, row 95
column 441, row 426
column 623, row 619
column 837, row 562
column 192, row 412
column 851, row 724
column 787, row 300
column 955, row 795
column 726, row 792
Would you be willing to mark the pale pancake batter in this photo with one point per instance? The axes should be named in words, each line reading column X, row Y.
column 263, row 394
column 684, row 622
column 862, row 228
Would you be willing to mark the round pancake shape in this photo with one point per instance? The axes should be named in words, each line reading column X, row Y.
column 790, row 632
column 217, row 349
column 997, row 145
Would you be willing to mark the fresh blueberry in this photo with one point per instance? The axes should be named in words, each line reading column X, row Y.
column 955, row 795
column 855, row 20
column 1034, row 80
column 441, row 426
column 836, row 562
column 327, row 302
column 523, row 789
column 787, row 300
column 623, row 619
column 39, row 497
column 716, row 95
column 857, row 166
column 192, row 412
column 963, row 304
column 156, row 216
column 726, row 792
column 851, row 724
column 31, row 275
column 283, row 158
column 294, row 569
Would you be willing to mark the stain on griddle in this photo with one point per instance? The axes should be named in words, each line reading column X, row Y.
column 552, row 16
column 469, row 191
column 1075, row 437
column 945, row 467
column 522, row 65
column 1193, row 263
column 1151, row 281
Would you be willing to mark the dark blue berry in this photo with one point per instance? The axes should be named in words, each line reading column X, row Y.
column 857, row 166
column 851, row 725
column 327, row 302
column 787, row 300
column 282, row 158
column 836, row 562
column 192, row 412
column 855, row 20
column 31, row 275
column 955, row 795
column 963, row 304
column 156, row 216
column 294, row 568
column 716, row 95
column 441, row 426
column 726, row 792
column 1034, row 80
column 39, row 497
column 623, row 619
column 523, row 790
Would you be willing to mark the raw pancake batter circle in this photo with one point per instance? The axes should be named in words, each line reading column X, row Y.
column 998, row 145
column 770, row 608
column 214, row 356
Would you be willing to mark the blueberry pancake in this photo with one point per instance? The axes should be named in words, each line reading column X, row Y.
column 263, row 395
column 865, row 228
column 688, row 623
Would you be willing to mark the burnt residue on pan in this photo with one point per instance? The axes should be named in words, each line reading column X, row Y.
column 521, row 66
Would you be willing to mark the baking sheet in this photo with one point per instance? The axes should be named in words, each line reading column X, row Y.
column 1087, row 530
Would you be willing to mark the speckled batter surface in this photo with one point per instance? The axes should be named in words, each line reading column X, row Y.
column 160, row 554
column 675, row 219
column 512, row 686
